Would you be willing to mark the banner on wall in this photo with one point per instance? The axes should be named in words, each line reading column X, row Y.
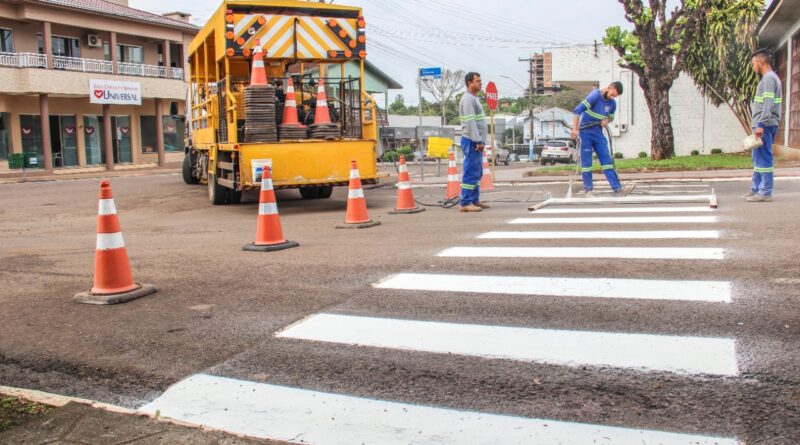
column 115, row 93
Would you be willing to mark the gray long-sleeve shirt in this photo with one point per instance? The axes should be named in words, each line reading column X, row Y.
column 473, row 120
column 768, row 102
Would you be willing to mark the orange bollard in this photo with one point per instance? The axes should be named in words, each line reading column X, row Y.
column 113, row 279
column 405, row 196
column 258, row 73
column 453, row 182
column 269, row 234
column 487, row 180
column 290, row 108
column 322, row 116
column 356, row 217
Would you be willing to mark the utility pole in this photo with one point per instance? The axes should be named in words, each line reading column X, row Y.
column 531, row 154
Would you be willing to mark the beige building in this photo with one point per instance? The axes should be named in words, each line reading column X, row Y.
column 90, row 85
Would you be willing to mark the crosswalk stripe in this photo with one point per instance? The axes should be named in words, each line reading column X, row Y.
column 622, row 234
column 685, row 355
column 664, row 253
column 707, row 291
column 627, row 210
column 319, row 418
column 619, row 220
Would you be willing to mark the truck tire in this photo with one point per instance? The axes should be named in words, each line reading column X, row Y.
column 217, row 194
column 325, row 191
column 310, row 192
column 234, row 196
column 189, row 163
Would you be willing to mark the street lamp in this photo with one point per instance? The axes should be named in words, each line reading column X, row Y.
column 530, row 114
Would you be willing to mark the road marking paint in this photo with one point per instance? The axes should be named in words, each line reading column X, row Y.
column 619, row 220
column 627, row 234
column 664, row 253
column 319, row 418
column 708, row 291
column 684, row 355
column 628, row 210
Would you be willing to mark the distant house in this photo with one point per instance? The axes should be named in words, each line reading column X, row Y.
column 552, row 123
column 779, row 30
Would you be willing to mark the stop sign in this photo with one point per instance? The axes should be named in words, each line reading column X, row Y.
column 491, row 96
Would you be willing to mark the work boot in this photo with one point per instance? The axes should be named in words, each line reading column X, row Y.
column 470, row 208
column 623, row 191
column 758, row 198
column 482, row 205
column 748, row 194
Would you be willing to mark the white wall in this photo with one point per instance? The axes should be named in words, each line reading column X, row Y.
column 697, row 125
column 396, row 120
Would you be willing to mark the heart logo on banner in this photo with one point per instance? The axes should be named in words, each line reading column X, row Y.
column 170, row 129
column 124, row 130
column 69, row 130
column 98, row 93
column 89, row 130
column 27, row 130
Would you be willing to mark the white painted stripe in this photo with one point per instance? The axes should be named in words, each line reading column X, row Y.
column 356, row 193
column 709, row 291
column 453, row 178
column 258, row 63
column 303, row 52
column 402, row 169
column 629, row 210
column 634, row 234
column 109, row 241
column 620, row 220
column 354, row 174
column 318, row 418
column 281, row 40
column 346, row 26
column 266, row 184
column 321, row 34
column 404, row 185
column 290, row 102
column 267, row 208
column 689, row 355
column 486, row 171
column 311, row 41
column 107, row 207
column 452, row 164
column 655, row 253
column 322, row 103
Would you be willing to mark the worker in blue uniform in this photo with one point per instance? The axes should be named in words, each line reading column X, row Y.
column 473, row 140
column 591, row 116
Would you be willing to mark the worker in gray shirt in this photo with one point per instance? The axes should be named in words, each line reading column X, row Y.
column 473, row 139
column 766, row 108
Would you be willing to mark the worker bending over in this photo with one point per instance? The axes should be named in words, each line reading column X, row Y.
column 591, row 116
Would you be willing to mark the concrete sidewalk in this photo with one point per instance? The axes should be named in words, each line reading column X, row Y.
column 82, row 424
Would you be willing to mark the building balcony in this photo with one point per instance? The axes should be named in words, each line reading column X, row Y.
column 34, row 60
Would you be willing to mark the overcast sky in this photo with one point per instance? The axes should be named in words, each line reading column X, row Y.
column 484, row 36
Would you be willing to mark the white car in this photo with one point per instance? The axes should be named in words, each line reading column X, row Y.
column 524, row 158
column 559, row 151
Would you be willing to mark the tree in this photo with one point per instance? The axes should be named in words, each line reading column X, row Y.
column 398, row 106
column 656, row 50
column 444, row 88
column 719, row 57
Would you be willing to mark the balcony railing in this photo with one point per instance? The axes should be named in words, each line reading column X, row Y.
column 23, row 60
column 85, row 65
column 34, row 60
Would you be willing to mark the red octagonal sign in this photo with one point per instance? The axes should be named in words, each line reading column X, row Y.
column 491, row 96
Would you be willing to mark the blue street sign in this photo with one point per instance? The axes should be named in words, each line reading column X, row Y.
column 431, row 73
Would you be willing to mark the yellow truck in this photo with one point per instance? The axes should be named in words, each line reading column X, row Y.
column 307, row 42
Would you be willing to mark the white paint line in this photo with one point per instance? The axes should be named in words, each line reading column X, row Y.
column 662, row 253
column 686, row 355
column 619, row 220
column 629, row 210
column 627, row 234
column 707, row 291
column 106, row 207
column 319, row 418
column 109, row 241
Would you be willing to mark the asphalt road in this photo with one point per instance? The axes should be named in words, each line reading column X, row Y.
column 218, row 308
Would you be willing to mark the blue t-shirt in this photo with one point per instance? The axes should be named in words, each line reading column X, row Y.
column 595, row 108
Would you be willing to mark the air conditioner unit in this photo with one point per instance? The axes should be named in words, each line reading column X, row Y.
column 93, row 41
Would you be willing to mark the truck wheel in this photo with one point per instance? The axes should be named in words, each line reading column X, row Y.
column 217, row 194
column 189, row 163
column 234, row 196
column 309, row 192
column 325, row 191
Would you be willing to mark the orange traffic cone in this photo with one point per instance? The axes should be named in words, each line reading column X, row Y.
column 487, row 180
column 405, row 197
column 357, row 217
column 453, row 183
column 258, row 73
column 113, row 279
column 269, row 234
column 290, row 107
column 321, row 115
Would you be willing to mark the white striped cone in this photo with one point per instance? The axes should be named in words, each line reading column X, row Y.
column 356, row 202
column 405, row 197
column 487, row 180
column 453, row 181
column 112, row 269
column 268, row 227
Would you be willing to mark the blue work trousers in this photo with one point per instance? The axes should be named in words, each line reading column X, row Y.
column 595, row 141
column 473, row 171
column 763, row 163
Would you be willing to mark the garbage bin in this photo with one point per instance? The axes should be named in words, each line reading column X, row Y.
column 16, row 160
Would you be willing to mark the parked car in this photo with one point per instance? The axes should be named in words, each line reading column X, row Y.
column 502, row 154
column 559, row 151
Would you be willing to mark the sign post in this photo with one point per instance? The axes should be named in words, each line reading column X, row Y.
column 424, row 74
column 491, row 101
